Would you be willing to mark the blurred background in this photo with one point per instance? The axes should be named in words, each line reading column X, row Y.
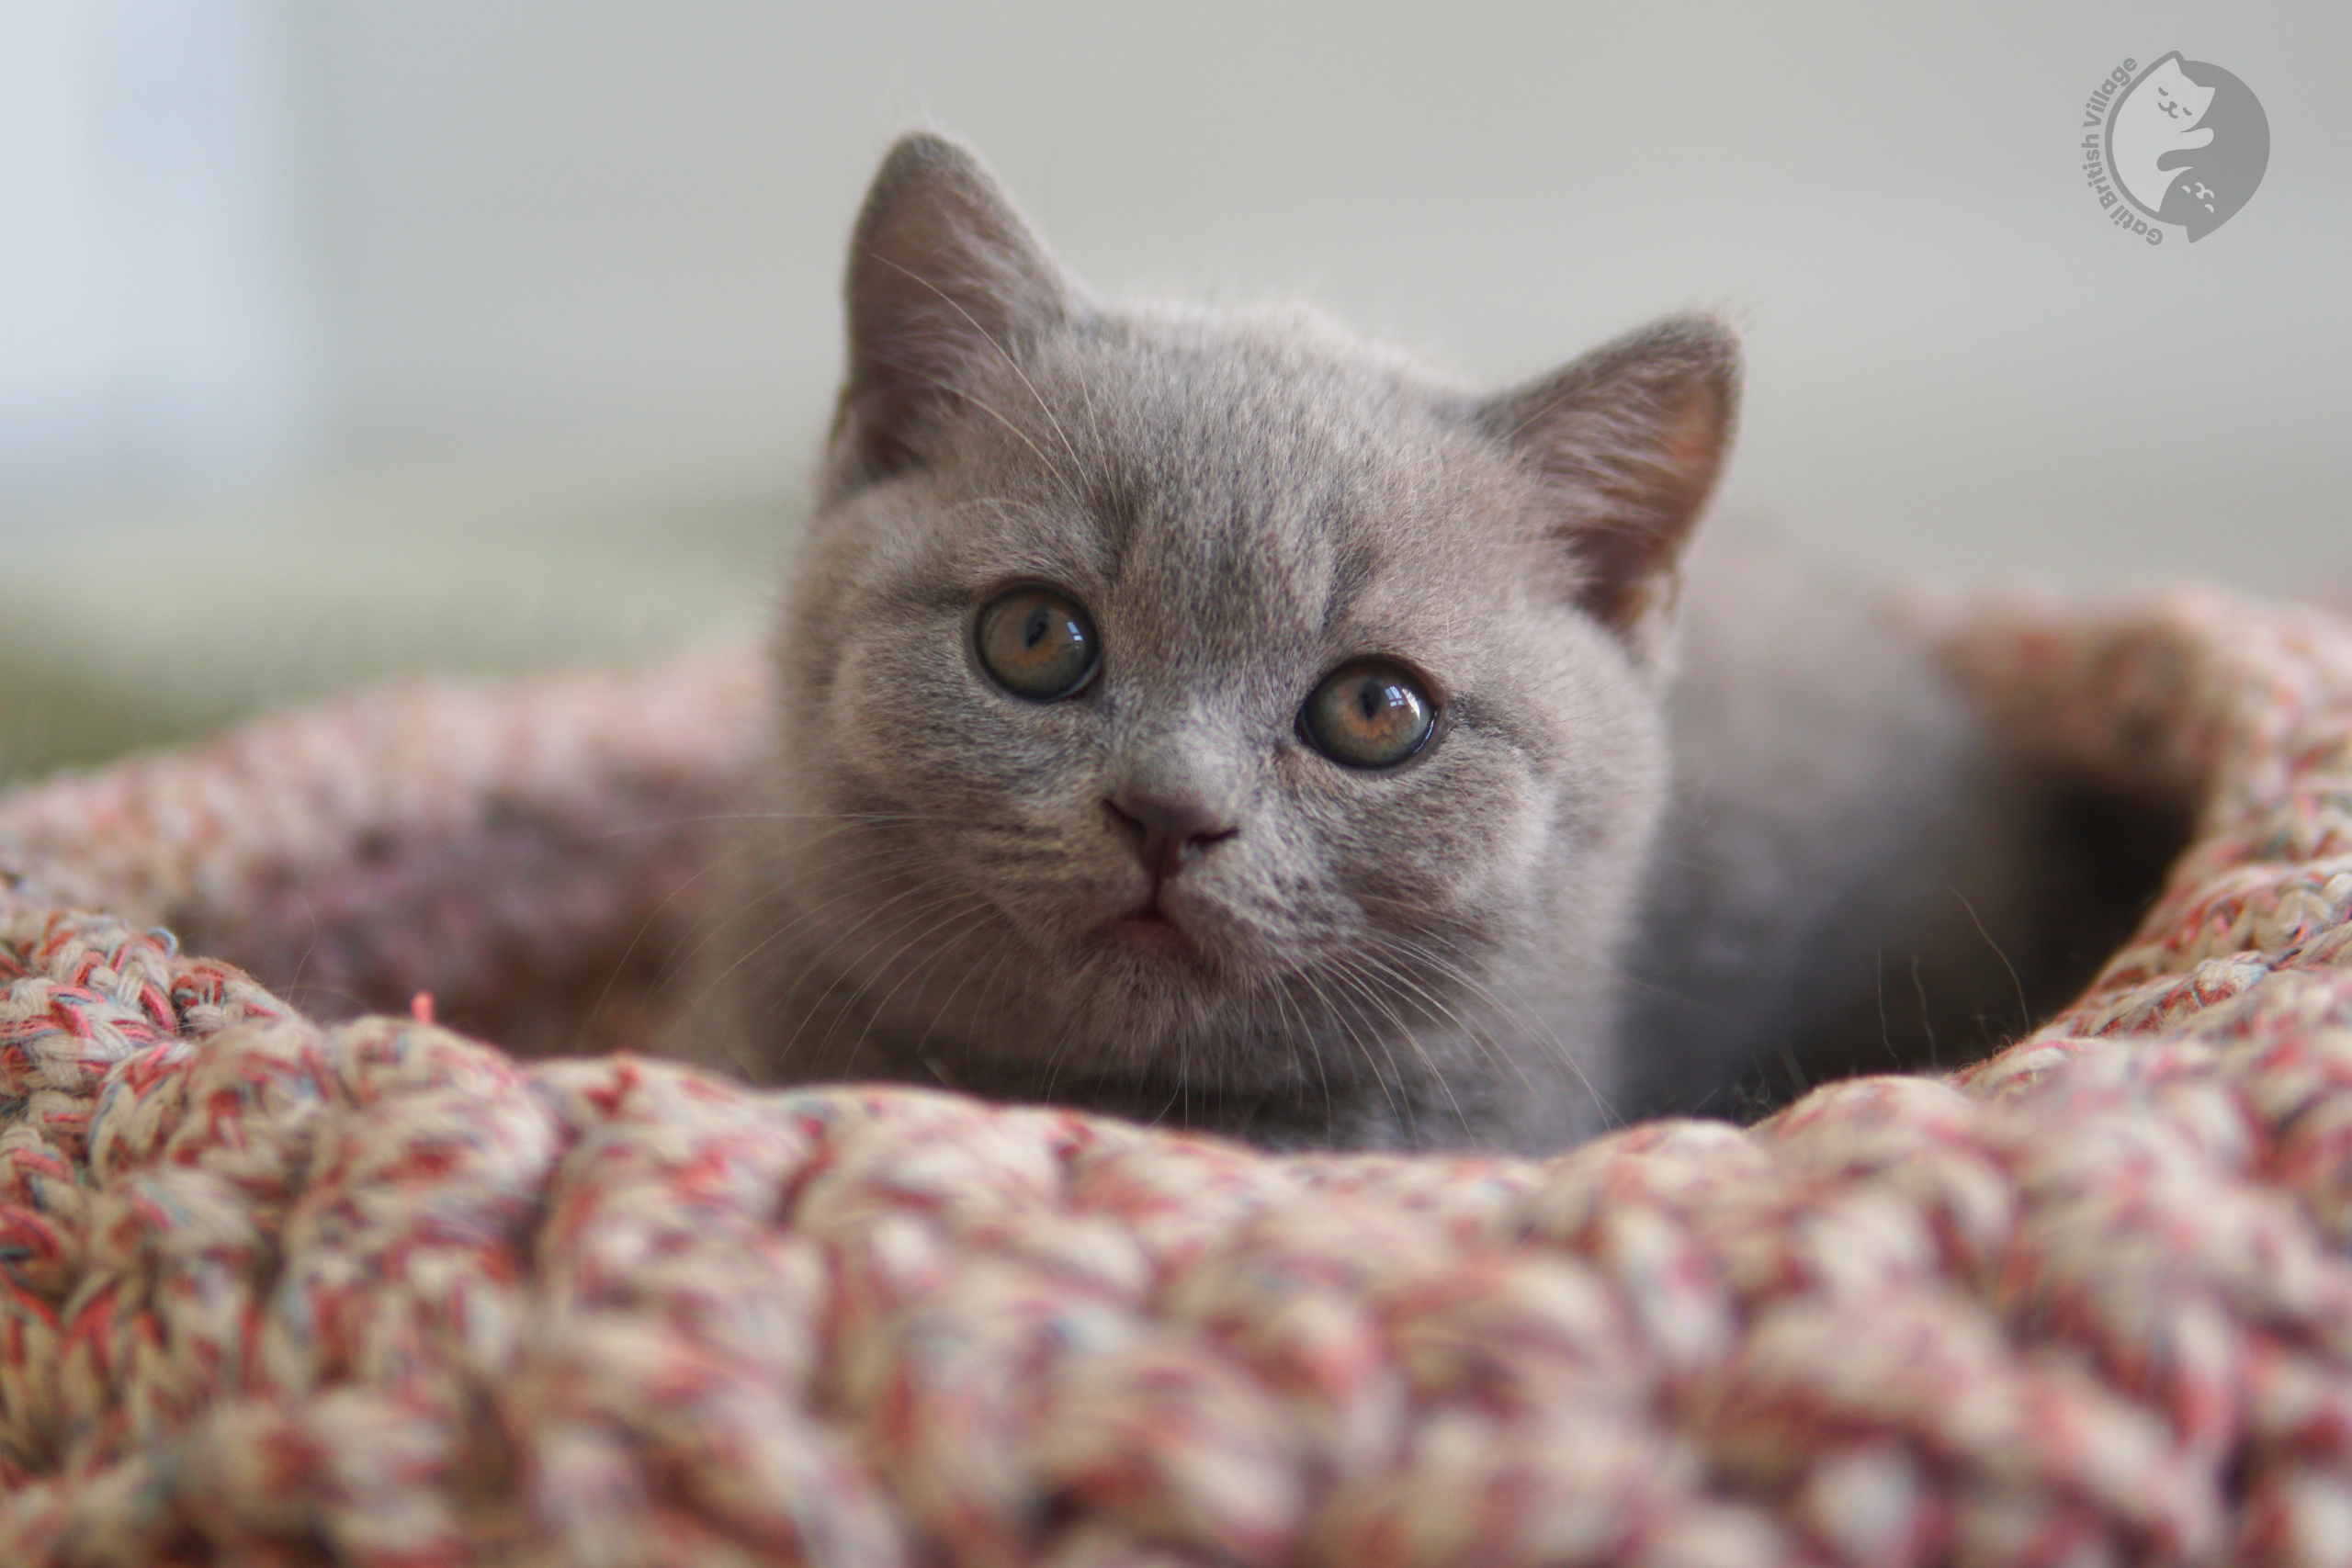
column 342, row 337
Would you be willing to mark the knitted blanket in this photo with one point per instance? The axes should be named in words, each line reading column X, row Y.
column 277, row 1288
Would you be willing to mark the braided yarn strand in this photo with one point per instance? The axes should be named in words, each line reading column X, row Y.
column 283, row 1289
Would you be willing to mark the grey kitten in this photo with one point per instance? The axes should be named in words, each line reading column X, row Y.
column 1214, row 719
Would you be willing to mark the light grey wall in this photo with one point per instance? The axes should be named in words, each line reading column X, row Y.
column 590, row 227
column 151, row 287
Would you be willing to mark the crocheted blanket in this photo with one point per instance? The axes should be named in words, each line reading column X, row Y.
column 283, row 1289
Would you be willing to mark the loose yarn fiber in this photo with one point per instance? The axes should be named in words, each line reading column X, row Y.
column 276, row 1289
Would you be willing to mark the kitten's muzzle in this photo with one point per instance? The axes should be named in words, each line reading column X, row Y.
column 1167, row 834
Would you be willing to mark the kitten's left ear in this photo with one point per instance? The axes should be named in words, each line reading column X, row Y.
column 1629, row 440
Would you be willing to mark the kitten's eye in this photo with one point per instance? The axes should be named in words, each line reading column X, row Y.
column 1370, row 715
column 1037, row 644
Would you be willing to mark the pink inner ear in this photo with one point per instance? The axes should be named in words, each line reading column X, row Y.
column 1691, row 442
column 1655, row 496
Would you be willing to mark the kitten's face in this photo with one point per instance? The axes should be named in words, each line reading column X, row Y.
column 1198, row 709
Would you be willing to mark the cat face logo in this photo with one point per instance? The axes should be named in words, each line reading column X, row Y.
column 2186, row 143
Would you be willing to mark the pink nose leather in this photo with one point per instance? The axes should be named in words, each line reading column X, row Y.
column 1167, row 834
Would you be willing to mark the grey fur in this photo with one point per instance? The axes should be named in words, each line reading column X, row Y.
column 1853, row 875
column 1429, row 956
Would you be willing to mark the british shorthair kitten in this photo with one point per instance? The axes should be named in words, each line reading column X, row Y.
column 1216, row 720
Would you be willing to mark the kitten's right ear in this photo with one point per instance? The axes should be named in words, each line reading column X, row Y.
column 943, row 275
column 1629, row 441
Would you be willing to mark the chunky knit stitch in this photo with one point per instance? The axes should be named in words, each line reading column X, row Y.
column 285, row 1290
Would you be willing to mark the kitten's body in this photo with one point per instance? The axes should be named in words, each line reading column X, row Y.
column 1159, row 893
column 1852, row 874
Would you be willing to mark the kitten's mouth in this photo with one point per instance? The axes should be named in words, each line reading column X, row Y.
column 1150, row 931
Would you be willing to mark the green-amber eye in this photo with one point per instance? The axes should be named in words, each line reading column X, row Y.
column 1037, row 644
column 1369, row 715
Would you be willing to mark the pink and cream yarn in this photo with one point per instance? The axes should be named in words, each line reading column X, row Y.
column 278, row 1290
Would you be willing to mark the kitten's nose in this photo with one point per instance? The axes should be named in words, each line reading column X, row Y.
column 1168, row 831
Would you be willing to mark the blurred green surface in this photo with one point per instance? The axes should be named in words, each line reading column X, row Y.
column 131, row 629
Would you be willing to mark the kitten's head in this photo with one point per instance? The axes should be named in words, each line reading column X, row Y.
column 1211, row 713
